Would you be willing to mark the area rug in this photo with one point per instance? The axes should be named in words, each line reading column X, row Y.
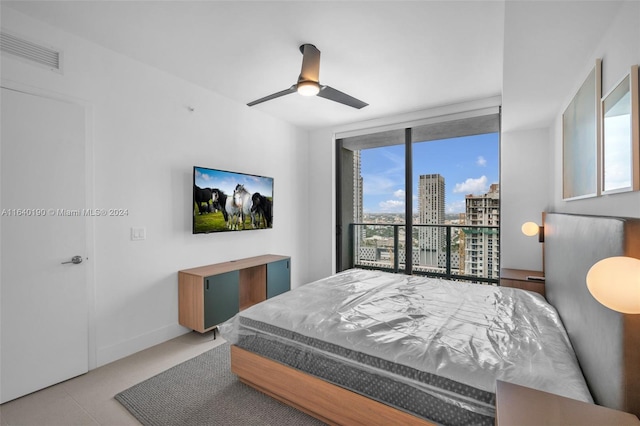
column 204, row 391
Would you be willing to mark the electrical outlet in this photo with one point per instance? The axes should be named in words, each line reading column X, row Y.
column 138, row 234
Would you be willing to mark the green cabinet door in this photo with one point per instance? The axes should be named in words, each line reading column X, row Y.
column 221, row 298
column 278, row 277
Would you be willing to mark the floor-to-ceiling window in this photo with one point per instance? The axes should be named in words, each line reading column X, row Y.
column 422, row 199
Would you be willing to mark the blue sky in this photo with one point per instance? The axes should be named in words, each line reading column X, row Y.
column 227, row 181
column 469, row 165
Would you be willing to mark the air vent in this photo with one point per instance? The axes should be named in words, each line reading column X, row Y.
column 32, row 52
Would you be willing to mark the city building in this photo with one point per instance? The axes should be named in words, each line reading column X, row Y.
column 431, row 199
column 358, row 210
column 482, row 247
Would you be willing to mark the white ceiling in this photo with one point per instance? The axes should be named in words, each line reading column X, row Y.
column 397, row 56
column 550, row 47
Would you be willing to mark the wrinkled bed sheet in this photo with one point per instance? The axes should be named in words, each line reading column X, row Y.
column 468, row 333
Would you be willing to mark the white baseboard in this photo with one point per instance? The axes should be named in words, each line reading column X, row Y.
column 115, row 352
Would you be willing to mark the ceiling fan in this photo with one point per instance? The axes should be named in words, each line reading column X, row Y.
column 309, row 83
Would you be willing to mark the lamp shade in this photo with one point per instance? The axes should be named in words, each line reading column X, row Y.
column 530, row 229
column 615, row 282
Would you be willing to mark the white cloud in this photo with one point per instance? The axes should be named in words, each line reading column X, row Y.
column 391, row 206
column 472, row 186
column 377, row 185
column 481, row 161
column 202, row 176
column 399, row 194
column 456, row 207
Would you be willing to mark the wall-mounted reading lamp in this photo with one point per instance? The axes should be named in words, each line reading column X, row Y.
column 531, row 229
column 615, row 282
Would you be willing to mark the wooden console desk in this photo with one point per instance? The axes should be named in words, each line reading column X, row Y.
column 209, row 295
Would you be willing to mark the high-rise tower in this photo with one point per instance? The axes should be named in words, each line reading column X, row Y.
column 431, row 240
column 358, row 212
column 482, row 248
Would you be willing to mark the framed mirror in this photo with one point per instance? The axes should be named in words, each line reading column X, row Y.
column 580, row 139
column 620, row 153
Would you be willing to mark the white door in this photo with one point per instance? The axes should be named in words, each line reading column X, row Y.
column 44, row 305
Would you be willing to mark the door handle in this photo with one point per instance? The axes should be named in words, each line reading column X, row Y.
column 75, row 260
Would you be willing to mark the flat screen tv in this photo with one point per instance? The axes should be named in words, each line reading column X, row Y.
column 230, row 201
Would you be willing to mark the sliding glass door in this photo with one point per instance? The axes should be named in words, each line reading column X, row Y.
column 424, row 199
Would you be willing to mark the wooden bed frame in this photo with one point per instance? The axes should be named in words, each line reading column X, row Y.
column 607, row 344
column 327, row 402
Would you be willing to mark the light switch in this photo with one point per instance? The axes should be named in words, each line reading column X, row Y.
column 138, row 234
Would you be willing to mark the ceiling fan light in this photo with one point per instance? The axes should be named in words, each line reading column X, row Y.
column 308, row 88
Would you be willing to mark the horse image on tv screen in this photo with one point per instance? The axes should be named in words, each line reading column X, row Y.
column 230, row 201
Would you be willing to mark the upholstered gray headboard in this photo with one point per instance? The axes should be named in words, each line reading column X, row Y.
column 606, row 342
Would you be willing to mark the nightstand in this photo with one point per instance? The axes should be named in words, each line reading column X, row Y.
column 521, row 278
column 523, row 406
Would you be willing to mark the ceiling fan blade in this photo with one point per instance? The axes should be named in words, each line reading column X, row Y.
column 341, row 97
column 310, row 63
column 291, row 89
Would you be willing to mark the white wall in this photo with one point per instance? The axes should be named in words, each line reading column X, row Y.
column 531, row 159
column 524, row 182
column 322, row 218
column 145, row 141
column 619, row 50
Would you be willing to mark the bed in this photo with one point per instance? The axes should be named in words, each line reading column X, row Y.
column 369, row 347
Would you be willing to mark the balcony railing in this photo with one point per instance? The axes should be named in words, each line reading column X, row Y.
column 457, row 252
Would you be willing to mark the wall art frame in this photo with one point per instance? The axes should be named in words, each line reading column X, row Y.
column 581, row 131
column 620, row 150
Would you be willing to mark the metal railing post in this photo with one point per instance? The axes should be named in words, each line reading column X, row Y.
column 448, row 258
column 352, row 244
column 396, row 249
